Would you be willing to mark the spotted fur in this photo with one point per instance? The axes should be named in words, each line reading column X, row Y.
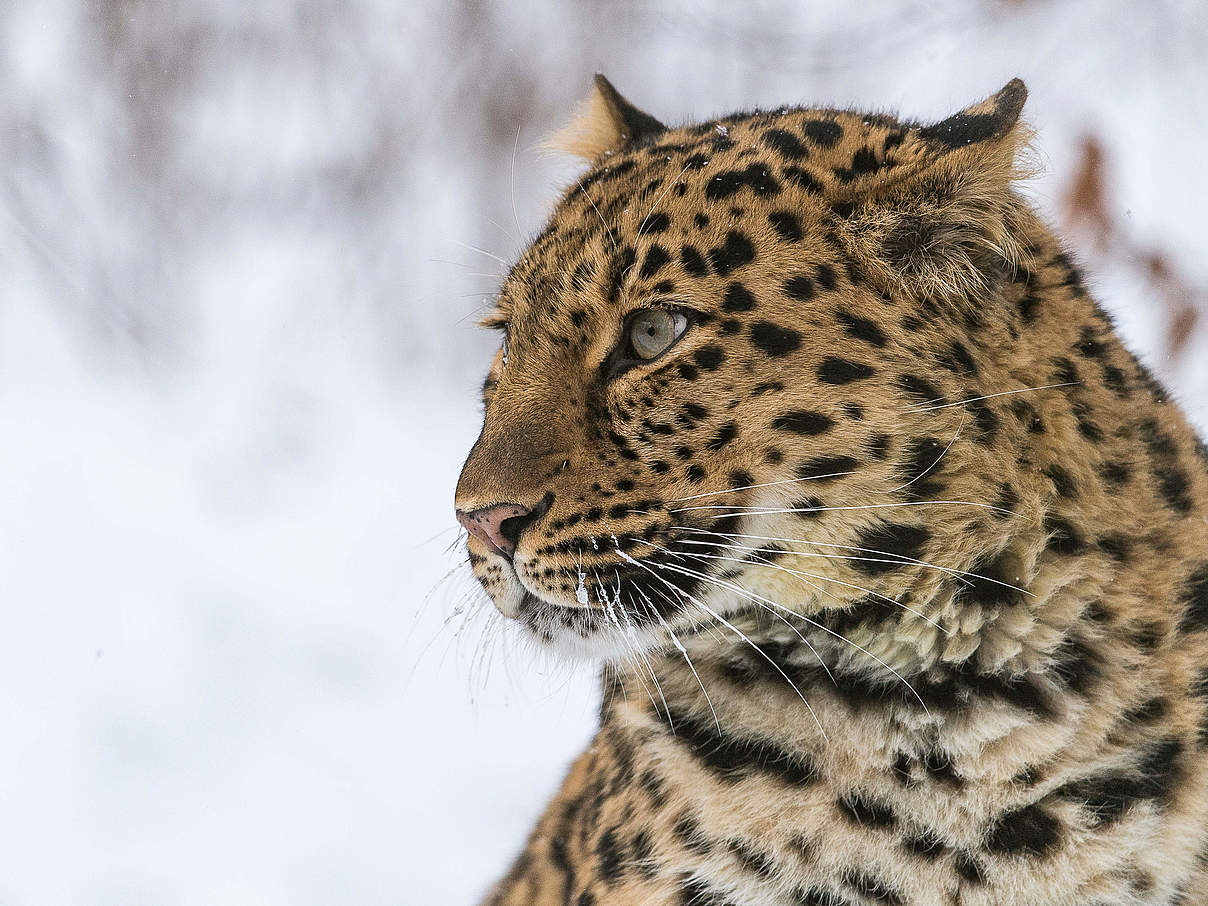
column 897, row 558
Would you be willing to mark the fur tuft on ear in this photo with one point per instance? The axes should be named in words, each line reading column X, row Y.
column 946, row 229
column 603, row 123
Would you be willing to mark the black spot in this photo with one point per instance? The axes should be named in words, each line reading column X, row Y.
column 826, row 276
column 873, row 888
column 1027, row 831
column 926, row 844
column 656, row 257
column 728, row 182
column 800, row 288
column 1116, row 473
column 740, row 479
column 732, row 758
column 692, row 261
column 968, row 868
column 1108, row 796
column 786, row 225
column 841, row 371
column 919, row 468
column 694, row 411
column 863, row 162
column 1062, row 480
column 1174, row 485
column 843, row 209
column 724, row 435
column 1063, row 537
column 890, row 546
column 785, row 143
column 738, row 298
column 822, row 132
column 867, row 811
column 826, row 468
column 729, row 327
column 774, row 339
column 736, row 251
column 687, row 371
column 610, row 857
column 861, row 328
column 1075, row 664
column 1195, row 601
column 656, row 223
column 802, row 178
column 878, row 445
column 709, row 357
column 923, row 391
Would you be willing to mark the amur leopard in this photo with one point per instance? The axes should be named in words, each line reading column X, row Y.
column 805, row 426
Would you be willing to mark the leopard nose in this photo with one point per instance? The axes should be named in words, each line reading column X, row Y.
column 497, row 526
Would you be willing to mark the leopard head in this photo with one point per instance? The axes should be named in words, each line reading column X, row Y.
column 708, row 397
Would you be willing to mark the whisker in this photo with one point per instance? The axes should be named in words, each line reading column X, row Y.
column 730, row 586
column 974, row 399
column 474, row 248
column 804, row 575
column 768, row 511
column 707, row 609
column 900, row 559
column 598, row 214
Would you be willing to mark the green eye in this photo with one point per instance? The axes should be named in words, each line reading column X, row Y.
column 651, row 332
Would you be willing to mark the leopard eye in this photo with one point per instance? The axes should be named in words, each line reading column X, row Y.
column 653, row 331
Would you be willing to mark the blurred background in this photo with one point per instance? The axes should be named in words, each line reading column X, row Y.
column 242, row 250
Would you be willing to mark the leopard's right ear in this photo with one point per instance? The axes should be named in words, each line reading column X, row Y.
column 603, row 123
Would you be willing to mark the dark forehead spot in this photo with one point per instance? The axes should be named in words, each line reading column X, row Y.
column 863, row 162
column 799, row 287
column 786, row 225
column 803, row 179
column 701, row 220
column 826, row 276
column 656, row 257
column 785, row 143
column 656, row 223
column 803, row 421
column 774, row 339
column 756, row 177
column 738, row 298
column 736, row 251
column 861, row 328
column 822, row 132
column 693, row 261
column 834, row 370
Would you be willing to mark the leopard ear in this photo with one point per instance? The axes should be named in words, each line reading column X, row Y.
column 948, row 226
column 605, row 122
column 986, row 121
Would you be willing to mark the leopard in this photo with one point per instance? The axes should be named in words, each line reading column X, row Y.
column 806, row 431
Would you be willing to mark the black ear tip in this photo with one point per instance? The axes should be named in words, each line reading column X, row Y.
column 1010, row 98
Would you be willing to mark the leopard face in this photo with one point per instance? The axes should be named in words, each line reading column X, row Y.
column 711, row 361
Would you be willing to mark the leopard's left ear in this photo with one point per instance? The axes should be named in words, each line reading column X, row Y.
column 605, row 122
column 948, row 225
column 986, row 121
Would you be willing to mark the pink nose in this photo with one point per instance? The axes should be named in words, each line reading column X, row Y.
column 496, row 526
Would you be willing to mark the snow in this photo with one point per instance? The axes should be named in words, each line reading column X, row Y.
column 238, row 375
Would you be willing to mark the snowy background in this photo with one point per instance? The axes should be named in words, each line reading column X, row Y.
column 238, row 282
